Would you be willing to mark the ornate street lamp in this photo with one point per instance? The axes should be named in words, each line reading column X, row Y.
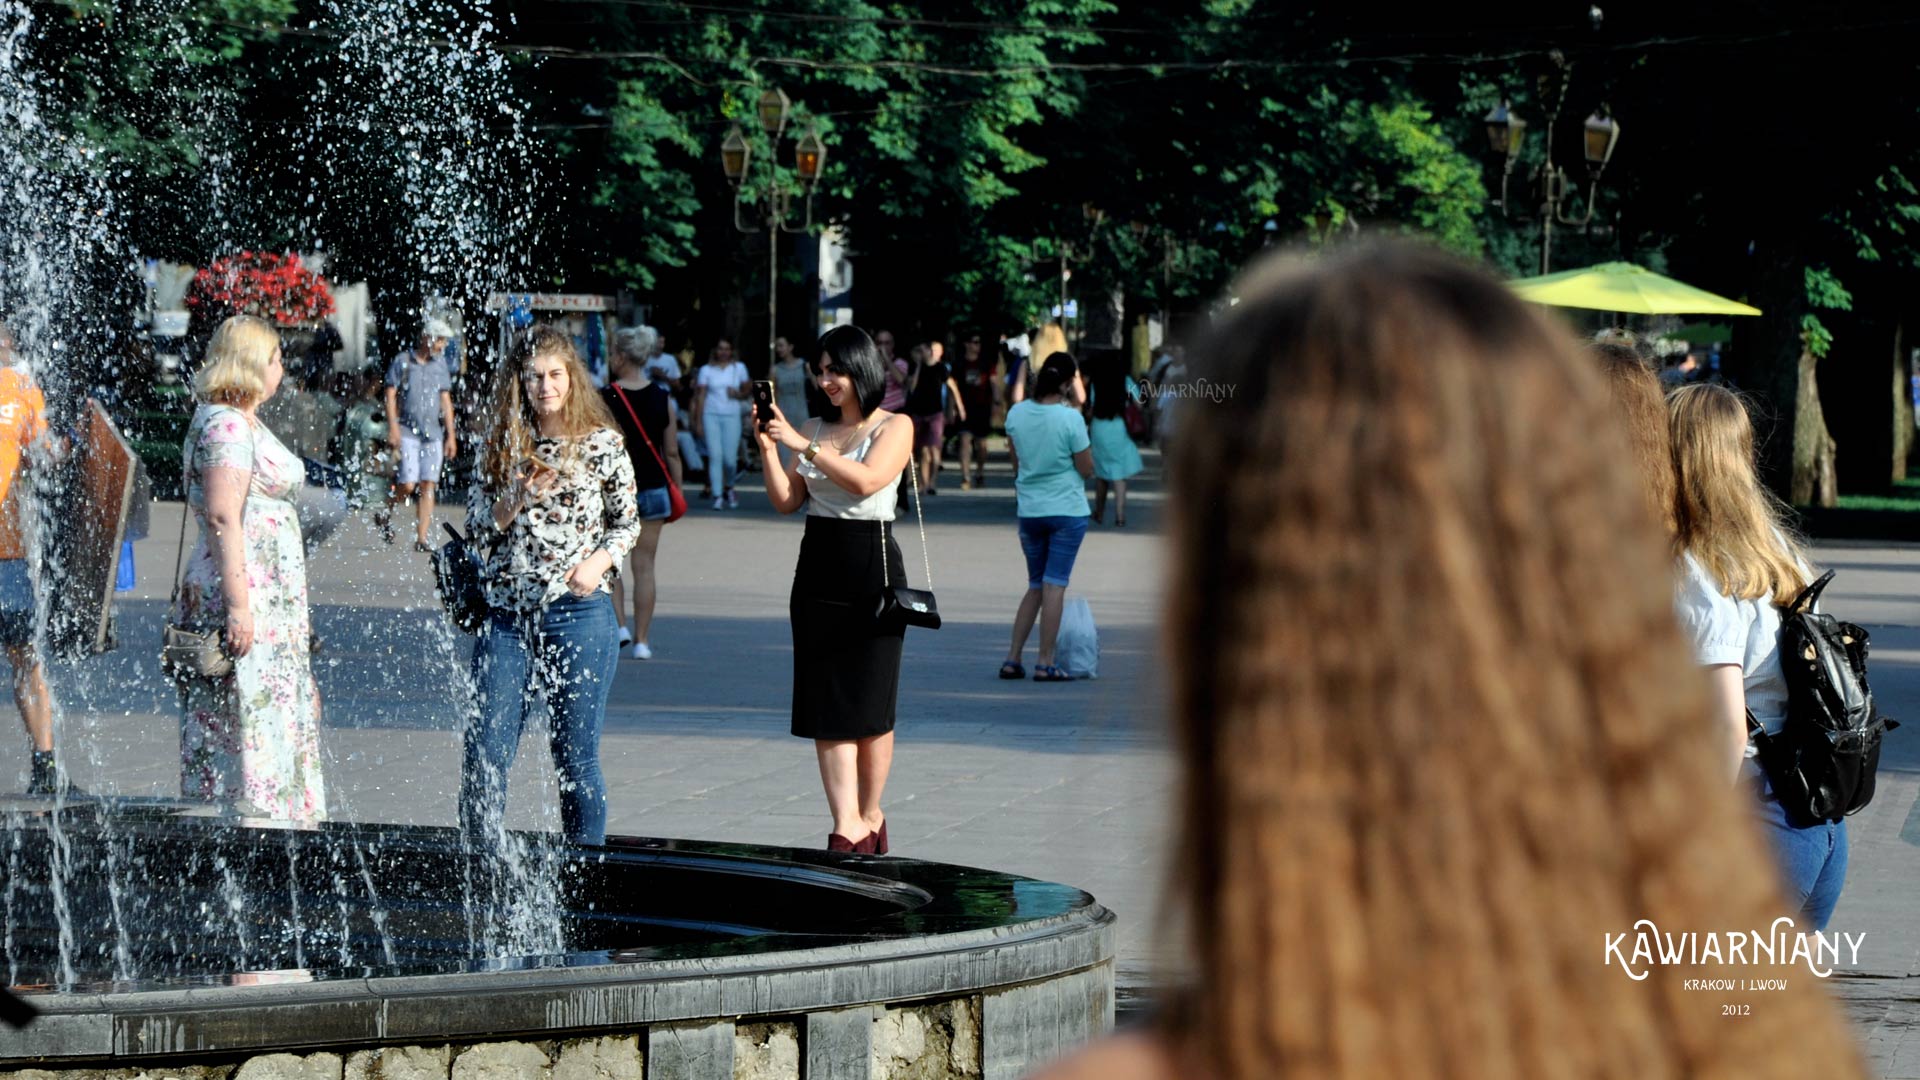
column 1505, row 131
column 1505, row 134
column 773, row 108
column 772, row 202
column 808, row 155
column 735, row 153
column 1603, row 132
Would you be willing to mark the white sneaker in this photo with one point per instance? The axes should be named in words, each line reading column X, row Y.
column 719, row 503
column 642, row 651
column 626, row 636
column 733, row 501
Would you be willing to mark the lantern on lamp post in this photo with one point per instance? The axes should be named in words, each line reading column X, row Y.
column 1506, row 134
column 769, row 199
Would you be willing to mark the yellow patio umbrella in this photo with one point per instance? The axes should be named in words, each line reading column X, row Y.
column 1625, row 287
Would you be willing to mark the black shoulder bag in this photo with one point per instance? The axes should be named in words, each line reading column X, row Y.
column 903, row 605
column 457, row 575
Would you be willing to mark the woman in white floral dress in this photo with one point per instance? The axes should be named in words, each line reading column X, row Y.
column 252, row 738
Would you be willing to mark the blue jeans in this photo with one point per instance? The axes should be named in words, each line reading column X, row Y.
column 1051, row 544
column 723, row 448
column 565, row 654
column 1813, row 861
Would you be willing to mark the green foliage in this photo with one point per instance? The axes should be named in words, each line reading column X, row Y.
column 1417, row 178
column 1824, row 291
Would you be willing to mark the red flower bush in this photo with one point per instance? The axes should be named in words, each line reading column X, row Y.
column 260, row 283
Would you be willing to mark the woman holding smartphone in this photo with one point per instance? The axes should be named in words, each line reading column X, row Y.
column 553, row 511
column 846, row 666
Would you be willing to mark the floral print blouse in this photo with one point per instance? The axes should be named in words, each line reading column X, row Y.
column 592, row 507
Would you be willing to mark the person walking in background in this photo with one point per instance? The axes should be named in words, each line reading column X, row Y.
column 1048, row 340
column 979, row 383
column 358, row 442
column 420, row 427
column 250, row 739
column 1738, row 563
column 678, row 398
column 1641, row 406
column 1115, row 459
column 846, row 665
column 933, row 386
column 25, row 445
column 1436, row 731
column 720, row 386
column 1052, row 458
column 899, row 373
column 790, row 380
column 554, row 505
column 660, row 362
column 643, row 410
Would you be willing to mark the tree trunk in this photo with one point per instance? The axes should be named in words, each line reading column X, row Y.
column 1902, row 400
column 1814, row 451
column 1797, row 452
column 1104, row 317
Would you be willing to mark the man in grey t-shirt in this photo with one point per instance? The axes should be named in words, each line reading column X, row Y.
column 420, row 425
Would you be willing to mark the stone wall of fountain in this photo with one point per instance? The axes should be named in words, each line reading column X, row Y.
column 678, row 960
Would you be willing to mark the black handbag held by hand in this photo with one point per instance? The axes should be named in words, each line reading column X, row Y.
column 903, row 605
column 456, row 576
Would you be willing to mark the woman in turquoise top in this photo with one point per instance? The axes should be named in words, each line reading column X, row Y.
column 1052, row 458
column 1115, row 458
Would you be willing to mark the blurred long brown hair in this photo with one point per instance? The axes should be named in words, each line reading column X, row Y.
column 1726, row 519
column 511, row 423
column 1640, row 406
column 1438, row 731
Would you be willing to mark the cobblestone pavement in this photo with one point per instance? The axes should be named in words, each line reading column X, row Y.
column 1064, row 782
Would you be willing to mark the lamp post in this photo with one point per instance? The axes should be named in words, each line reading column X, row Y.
column 1506, row 133
column 774, row 203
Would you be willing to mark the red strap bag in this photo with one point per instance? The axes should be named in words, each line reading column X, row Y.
column 676, row 502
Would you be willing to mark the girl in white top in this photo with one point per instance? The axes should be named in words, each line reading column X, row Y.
column 1738, row 562
column 720, row 387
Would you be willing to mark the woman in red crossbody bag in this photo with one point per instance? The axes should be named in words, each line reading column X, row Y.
column 644, row 412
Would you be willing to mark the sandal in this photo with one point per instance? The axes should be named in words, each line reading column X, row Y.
column 1050, row 673
column 1012, row 670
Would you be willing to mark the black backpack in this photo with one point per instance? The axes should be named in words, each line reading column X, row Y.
column 1823, row 761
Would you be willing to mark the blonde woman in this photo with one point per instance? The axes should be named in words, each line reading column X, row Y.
column 1437, row 730
column 1051, row 340
column 251, row 739
column 1738, row 563
column 554, row 509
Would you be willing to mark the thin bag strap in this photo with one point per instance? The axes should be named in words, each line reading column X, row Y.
column 642, row 429
column 926, row 559
column 186, row 508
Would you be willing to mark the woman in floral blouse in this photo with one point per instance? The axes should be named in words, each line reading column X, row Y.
column 553, row 512
column 250, row 739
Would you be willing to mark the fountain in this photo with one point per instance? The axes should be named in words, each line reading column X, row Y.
column 157, row 937
column 345, row 951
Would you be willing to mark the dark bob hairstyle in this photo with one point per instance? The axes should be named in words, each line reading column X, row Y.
column 1054, row 375
column 847, row 350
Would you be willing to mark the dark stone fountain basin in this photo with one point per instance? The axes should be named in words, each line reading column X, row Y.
column 200, row 940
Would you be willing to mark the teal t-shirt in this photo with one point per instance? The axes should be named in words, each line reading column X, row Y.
column 1046, row 437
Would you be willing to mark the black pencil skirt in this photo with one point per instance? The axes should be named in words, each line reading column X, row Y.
column 846, row 667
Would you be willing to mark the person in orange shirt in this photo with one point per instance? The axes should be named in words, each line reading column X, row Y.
column 23, row 425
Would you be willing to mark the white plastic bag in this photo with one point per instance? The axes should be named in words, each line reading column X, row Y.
column 1077, row 649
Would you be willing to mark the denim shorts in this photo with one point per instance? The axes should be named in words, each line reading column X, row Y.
column 656, row 504
column 1051, row 544
column 16, row 603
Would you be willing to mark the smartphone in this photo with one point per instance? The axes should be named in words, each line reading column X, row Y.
column 762, row 402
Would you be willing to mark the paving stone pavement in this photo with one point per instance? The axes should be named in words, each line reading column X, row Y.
column 1069, row 783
